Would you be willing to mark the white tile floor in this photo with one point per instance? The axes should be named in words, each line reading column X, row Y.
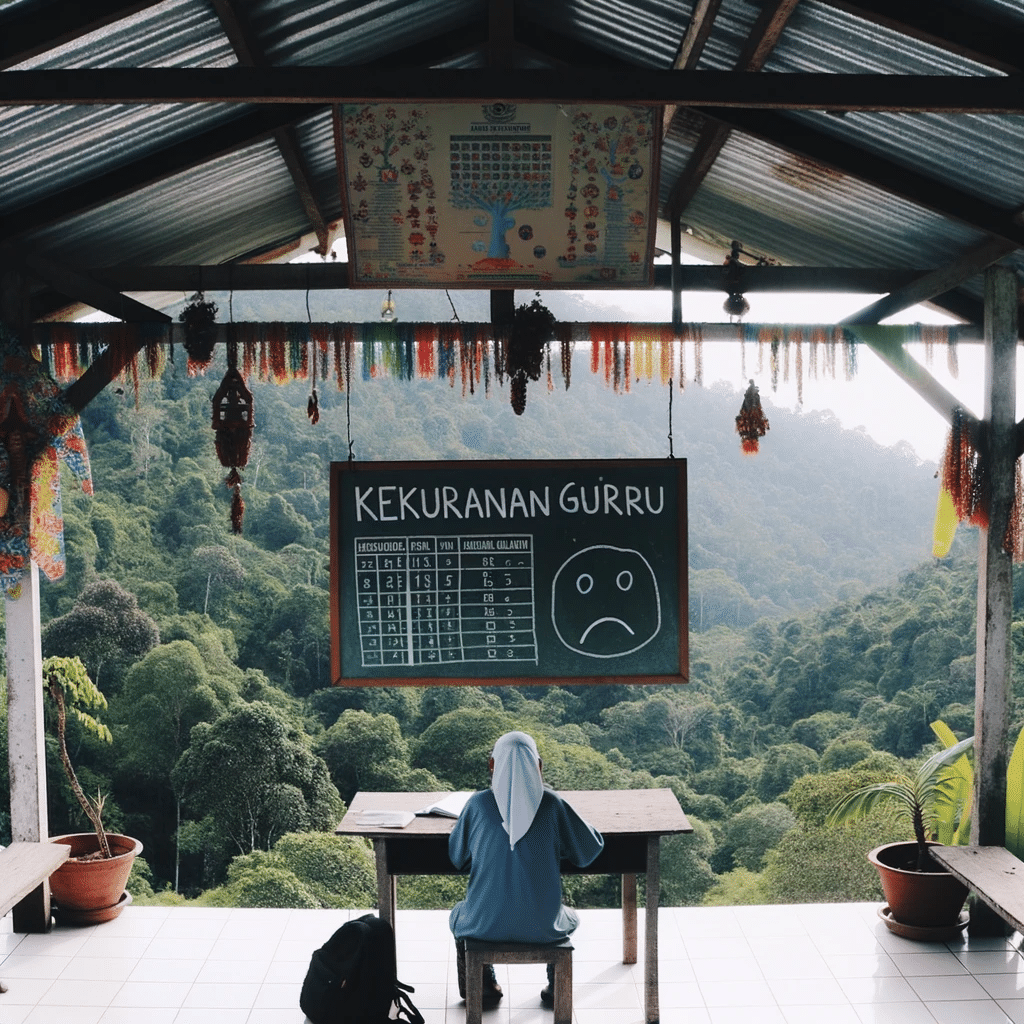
column 818, row 964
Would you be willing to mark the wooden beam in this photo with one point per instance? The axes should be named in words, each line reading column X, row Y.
column 77, row 285
column 994, row 657
column 713, row 135
column 250, row 53
column 208, row 145
column 324, row 85
column 968, row 265
column 32, row 29
column 698, row 31
column 946, row 27
column 101, row 372
column 882, row 173
column 318, row 276
column 891, row 351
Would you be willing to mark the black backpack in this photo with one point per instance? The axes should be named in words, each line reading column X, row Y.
column 353, row 977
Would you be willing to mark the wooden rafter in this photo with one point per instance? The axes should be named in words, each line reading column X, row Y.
column 215, row 142
column 250, row 53
column 713, row 135
column 948, row 27
column 323, row 85
column 76, row 284
column 698, row 31
column 37, row 28
column 969, row 264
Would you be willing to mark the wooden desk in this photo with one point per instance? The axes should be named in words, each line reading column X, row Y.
column 632, row 822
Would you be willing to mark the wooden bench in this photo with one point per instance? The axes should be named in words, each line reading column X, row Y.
column 479, row 953
column 992, row 873
column 24, row 868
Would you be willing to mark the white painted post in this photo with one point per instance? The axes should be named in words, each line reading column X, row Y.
column 26, row 745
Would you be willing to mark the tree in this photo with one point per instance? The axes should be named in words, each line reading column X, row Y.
column 106, row 629
column 254, row 779
column 686, row 874
column 782, row 766
column 457, row 745
column 211, row 571
column 751, row 833
column 364, row 751
column 165, row 696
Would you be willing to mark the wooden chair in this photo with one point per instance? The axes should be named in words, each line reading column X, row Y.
column 479, row 953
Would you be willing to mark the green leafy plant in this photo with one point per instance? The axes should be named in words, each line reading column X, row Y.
column 921, row 797
column 68, row 684
column 955, row 825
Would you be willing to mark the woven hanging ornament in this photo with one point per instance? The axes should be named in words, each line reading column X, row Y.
column 199, row 318
column 233, row 423
column 751, row 424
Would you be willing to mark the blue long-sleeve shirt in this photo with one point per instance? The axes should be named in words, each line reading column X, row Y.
column 516, row 895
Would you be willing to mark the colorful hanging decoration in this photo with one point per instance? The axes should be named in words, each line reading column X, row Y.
column 963, row 471
column 751, row 424
column 200, row 320
column 37, row 429
column 233, row 423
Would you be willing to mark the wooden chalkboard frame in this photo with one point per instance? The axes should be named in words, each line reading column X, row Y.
column 353, row 482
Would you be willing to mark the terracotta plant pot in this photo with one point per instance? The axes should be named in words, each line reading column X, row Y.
column 92, row 890
column 921, row 899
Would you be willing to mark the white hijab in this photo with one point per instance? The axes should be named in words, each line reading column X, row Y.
column 516, row 783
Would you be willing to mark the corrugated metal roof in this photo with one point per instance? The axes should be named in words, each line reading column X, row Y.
column 780, row 204
column 332, row 32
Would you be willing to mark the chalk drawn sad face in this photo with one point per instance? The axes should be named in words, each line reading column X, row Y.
column 605, row 602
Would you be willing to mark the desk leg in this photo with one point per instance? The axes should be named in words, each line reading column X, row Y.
column 629, row 919
column 386, row 898
column 651, row 930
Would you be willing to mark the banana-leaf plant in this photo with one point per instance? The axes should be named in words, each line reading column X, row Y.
column 918, row 796
column 955, row 826
column 68, row 684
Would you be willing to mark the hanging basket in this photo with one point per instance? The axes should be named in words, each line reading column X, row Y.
column 751, row 424
column 200, row 320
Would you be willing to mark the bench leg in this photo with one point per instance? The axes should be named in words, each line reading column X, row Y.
column 563, row 990
column 474, row 988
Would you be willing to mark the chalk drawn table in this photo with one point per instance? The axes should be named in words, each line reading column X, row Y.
column 632, row 822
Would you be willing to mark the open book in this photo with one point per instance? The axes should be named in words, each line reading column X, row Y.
column 450, row 807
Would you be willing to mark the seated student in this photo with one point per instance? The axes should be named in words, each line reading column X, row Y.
column 513, row 836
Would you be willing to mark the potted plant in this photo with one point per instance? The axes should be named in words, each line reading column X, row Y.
column 921, row 896
column 90, row 886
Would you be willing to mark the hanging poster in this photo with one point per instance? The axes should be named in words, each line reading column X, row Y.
column 499, row 195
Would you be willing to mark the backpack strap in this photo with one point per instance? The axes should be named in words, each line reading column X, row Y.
column 406, row 1009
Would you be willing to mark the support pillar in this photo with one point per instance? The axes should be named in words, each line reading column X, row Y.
column 993, row 684
column 677, row 293
column 26, row 746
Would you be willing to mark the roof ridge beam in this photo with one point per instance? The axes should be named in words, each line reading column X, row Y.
column 960, row 94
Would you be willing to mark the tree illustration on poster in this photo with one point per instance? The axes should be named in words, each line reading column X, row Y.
column 499, row 176
column 508, row 572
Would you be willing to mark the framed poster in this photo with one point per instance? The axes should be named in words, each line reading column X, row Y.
column 499, row 195
column 508, row 572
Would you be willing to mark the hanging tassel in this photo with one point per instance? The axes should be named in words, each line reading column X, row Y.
column 234, row 482
column 963, row 472
column 313, row 408
column 751, row 423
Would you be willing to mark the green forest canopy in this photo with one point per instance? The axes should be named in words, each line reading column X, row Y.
column 823, row 641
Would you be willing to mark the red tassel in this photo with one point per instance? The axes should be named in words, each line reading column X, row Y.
column 751, row 424
column 313, row 409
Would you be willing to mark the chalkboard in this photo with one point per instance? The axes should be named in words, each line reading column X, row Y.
column 508, row 572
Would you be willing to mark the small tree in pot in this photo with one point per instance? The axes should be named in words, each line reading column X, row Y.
column 107, row 867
